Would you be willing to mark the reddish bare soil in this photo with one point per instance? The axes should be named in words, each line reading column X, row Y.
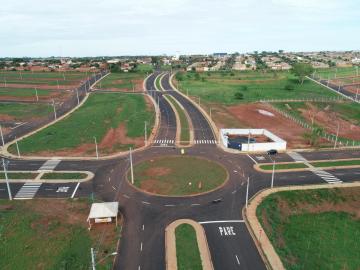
column 158, row 171
column 248, row 116
column 330, row 120
column 155, row 186
column 53, row 95
column 354, row 89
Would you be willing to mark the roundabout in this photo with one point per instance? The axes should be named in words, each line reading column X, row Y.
column 179, row 176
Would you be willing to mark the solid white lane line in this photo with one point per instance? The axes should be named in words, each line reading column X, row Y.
column 109, row 179
column 222, row 221
column 252, row 159
column 143, row 227
column 76, row 188
column 141, row 246
column 170, row 205
column 145, row 202
column 195, row 204
column 126, row 196
column 237, row 259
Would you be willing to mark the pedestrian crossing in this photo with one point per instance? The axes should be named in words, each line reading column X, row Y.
column 50, row 165
column 27, row 191
column 165, row 141
column 328, row 177
column 205, row 142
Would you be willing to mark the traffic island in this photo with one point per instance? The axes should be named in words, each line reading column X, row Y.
column 307, row 227
column 186, row 246
column 178, row 175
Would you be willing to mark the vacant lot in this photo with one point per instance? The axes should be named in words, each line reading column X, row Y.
column 178, row 175
column 337, row 72
column 330, row 117
column 315, row 229
column 116, row 120
column 29, row 94
column 123, row 81
column 49, row 234
column 187, row 250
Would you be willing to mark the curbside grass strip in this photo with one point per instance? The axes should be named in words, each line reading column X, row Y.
column 262, row 242
column 170, row 244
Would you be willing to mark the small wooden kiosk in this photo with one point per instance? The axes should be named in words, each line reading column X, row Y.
column 106, row 212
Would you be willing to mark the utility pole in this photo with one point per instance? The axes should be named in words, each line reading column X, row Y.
column 131, row 167
column 96, row 148
column 7, row 179
column 247, row 192
column 145, row 130
column 337, row 134
column 210, row 112
column 273, row 174
column 36, row 93
column 57, row 84
column 2, row 136
column 92, row 258
column 249, row 141
column 77, row 96
column 54, row 109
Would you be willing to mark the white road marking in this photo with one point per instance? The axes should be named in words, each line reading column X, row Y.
column 141, row 245
column 112, row 170
column 222, row 221
column 252, row 159
column 114, row 188
column 227, row 231
column 234, row 191
column 126, row 196
column 76, row 188
column 170, row 205
column 195, row 204
column 143, row 227
column 109, row 179
column 237, row 259
column 145, row 202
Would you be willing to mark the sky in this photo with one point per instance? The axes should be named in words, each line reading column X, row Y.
column 41, row 28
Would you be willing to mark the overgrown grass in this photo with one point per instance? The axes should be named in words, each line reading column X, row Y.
column 144, row 68
column 220, row 87
column 122, row 81
column 336, row 163
column 340, row 72
column 187, row 250
column 178, row 175
column 95, row 118
column 23, row 92
column 308, row 239
column 184, row 123
column 157, row 82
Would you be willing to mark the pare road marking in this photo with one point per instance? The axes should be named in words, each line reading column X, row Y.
column 227, row 231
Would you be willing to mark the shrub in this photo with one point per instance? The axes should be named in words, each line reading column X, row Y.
column 289, row 87
column 239, row 95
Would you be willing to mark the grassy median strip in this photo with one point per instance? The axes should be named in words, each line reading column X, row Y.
column 336, row 163
column 314, row 229
column 123, row 115
column 70, row 176
column 287, row 166
column 184, row 123
column 19, row 175
column 157, row 82
column 187, row 250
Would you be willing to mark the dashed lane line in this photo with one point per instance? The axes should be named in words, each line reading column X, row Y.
column 145, row 202
column 237, row 259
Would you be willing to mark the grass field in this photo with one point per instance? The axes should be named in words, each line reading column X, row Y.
column 220, row 87
column 144, row 68
column 44, row 234
column 314, row 229
column 125, row 81
column 336, row 163
column 184, row 123
column 178, row 175
column 119, row 116
column 23, row 92
column 24, row 112
column 157, row 83
column 340, row 72
column 187, row 250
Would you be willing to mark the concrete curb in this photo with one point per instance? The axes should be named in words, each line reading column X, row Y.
column 262, row 242
column 170, row 244
column 5, row 153
column 257, row 166
column 90, row 176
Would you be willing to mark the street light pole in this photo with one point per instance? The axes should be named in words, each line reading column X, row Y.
column 36, row 93
column 273, row 174
column 96, row 148
column 247, row 192
column 17, row 147
column 337, row 134
column 77, row 96
column 131, row 167
column 145, row 130
column 2, row 136
column 7, row 180
column 54, row 109
column 92, row 259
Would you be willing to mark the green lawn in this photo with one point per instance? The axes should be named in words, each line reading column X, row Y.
column 178, row 175
column 336, row 163
column 187, row 250
column 23, row 112
column 184, row 123
column 314, row 229
column 19, row 175
column 220, row 87
column 95, row 118
column 36, row 235
column 144, row 68
column 43, row 75
column 23, row 92
column 287, row 166
column 122, row 81
column 157, row 82
column 70, row 176
column 340, row 72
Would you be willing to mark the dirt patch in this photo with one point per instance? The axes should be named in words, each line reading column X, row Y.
column 155, row 186
column 6, row 117
column 158, row 171
column 52, row 95
column 248, row 116
column 82, row 150
column 330, row 121
column 41, row 86
column 118, row 136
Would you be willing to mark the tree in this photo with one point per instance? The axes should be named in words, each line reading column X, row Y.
column 301, row 70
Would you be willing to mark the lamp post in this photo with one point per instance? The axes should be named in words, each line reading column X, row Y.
column 6, row 179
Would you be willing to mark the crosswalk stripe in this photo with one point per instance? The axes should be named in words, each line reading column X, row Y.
column 49, row 165
column 27, row 191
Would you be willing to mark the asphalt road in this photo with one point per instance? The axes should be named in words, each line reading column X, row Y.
column 146, row 216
